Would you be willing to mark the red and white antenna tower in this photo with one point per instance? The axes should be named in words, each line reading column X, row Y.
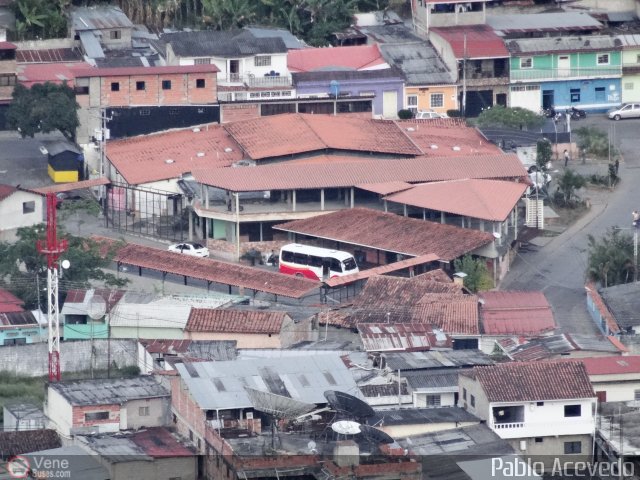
column 52, row 248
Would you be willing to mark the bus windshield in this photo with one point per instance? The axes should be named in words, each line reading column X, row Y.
column 350, row 264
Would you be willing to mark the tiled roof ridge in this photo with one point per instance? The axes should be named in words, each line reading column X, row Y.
column 311, row 128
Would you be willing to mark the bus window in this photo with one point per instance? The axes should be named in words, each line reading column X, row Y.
column 350, row 264
column 300, row 258
column 336, row 266
column 315, row 261
column 287, row 256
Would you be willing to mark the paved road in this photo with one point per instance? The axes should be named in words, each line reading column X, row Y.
column 559, row 267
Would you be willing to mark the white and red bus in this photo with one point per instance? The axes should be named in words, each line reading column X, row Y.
column 315, row 263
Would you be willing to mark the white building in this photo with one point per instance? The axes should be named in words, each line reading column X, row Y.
column 544, row 409
column 18, row 208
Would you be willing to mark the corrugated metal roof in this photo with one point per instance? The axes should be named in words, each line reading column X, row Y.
column 99, row 18
column 435, row 381
column 556, row 21
column 130, row 71
column 436, row 359
column 91, row 44
column 384, row 337
column 221, row 385
column 411, row 416
column 222, row 43
column 473, row 41
column 109, row 391
column 587, row 43
column 419, row 62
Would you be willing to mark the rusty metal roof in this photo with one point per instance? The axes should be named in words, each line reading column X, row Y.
column 67, row 187
column 212, row 270
column 408, row 337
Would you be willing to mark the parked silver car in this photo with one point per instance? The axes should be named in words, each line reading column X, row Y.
column 628, row 110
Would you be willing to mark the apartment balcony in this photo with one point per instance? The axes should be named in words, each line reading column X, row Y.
column 539, row 75
column 568, row 426
column 481, row 79
column 255, row 81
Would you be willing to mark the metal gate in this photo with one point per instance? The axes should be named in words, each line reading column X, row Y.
column 152, row 213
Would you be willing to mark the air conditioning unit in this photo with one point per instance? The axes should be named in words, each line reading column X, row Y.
column 523, row 445
column 249, row 415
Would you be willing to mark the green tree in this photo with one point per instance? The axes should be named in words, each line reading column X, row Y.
column 229, row 14
column 478, row 277
column 516, row 117
column 611, row 258
column 43, row 108
column 40, row 19
column 568, row 183
column 595, row 142
column 21, row 264
column 543, row 154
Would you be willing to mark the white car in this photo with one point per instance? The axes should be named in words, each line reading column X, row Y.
column 628, row 110
column 190, row 248
column 428, row 115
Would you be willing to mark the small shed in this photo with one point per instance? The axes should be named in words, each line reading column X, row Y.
column 65, row 161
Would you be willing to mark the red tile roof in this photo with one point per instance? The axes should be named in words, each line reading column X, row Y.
column 534, row 381
column 130, row 71
column 390, row 232
column 211, row 270
column 453, row 313
column 515, row 313
column 7, row 46
column 385, row 188
column 166, row 346
column 615, row 365
column 289, row 134
column 481, row 41
column 235, row 321
column 447, row 137
column 6, row 190
column 157, row 442
column 16, row 443
column 285, row 176
column 9, row 303
column 363, row 57
column 490, row 200
column 32, row 73
column 437, row 275
column 75, row 296
column 144, row 159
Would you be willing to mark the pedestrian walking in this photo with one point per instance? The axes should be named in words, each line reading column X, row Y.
column 617, row 165
column 566, row 157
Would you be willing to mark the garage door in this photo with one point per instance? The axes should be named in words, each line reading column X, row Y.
column 390, row 104
column 525, row 96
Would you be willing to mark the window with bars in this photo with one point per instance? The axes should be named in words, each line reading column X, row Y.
column 437, row 100
column 412, row 103
column 433, row 400
column 202, row 61
column 526, row 62
column 262, row 61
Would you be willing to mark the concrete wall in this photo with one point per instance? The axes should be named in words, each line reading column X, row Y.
column 59, row 411
column 481, row 409
column 241, row 111
column 74, row 357
column 619, row 388
column 147, row 332
column 159, row 413
column 449, row 93
column 184, row 468
column 447, row 399
column 552, row 447
column 245, row 340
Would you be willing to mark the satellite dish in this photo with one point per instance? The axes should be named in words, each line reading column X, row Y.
column 311, row 446
column 375, row 436
column 348, row 404
column 97, row 307
column 346, row 427
column 277, row 406
column 65, row 264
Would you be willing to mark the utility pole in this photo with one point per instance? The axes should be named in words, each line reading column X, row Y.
column 104, row 136
column 237, row 225
column 464, row 78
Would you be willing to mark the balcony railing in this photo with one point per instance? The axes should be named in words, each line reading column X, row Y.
column 501, row 426
column 256, row 81
column 564, row 73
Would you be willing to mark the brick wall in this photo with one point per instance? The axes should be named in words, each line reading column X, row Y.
column 189, row 416
column 183, row 91
column 234, row 113
column 79, row 419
